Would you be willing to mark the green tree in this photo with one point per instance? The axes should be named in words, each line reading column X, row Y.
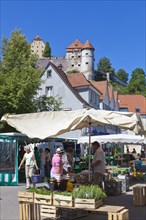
column 47, row 50
column 122, row 75
column 123, row 90
column 19, row 79
column 44, row 103
column 105, row 66
column 137, row 83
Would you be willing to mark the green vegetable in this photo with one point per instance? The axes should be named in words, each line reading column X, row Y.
column 64, row 193
column 42, row 191
column 89, row 192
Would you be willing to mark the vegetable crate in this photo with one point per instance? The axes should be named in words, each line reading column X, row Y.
column 27, row 197
column 61, row 200
column 87, row 203
column 43, row 199
column 49, row 211
column 139, row 195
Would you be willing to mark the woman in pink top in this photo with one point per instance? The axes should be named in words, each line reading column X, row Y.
column 57, row 165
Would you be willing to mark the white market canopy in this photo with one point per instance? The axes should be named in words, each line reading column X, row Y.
column 50, row 124
column 114, row 138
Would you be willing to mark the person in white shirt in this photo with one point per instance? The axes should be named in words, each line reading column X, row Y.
column 98, row 164
column 30, row 161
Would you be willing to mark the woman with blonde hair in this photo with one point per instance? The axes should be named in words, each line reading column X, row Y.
column 30, row 161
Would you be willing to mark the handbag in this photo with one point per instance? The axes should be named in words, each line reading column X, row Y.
column 37, row 177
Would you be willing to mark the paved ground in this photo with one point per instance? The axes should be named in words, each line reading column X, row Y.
column 9, row 207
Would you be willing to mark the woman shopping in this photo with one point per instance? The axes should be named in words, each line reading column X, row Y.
column 57, row 164
column 30, row 161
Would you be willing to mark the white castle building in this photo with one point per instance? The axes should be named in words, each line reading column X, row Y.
column 79, row 57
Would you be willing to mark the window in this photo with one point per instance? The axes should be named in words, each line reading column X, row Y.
column 72, row 56
column 86, row 62
column 79, row 64
column 49, row 73
column 95, row 98
column 49, row 91
column 90, row 96
column 86, row 53
column 79, row 56
column 123, row 109
column 137, row 110
column 72, row 65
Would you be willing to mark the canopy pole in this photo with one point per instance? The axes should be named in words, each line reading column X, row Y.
column 89, row 152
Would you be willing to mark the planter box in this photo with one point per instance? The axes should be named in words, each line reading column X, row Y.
column 27, row 197
column 87, row 203
column 61, row 200
column 43, row 199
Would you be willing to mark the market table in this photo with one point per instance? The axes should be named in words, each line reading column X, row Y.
column 33, row 208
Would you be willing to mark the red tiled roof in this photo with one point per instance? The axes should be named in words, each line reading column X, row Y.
column 37, row 38
column 101, row 86
column 95, row 84
column 87, row 45
column 78, row 80
column 75, row 45
column 133, row 102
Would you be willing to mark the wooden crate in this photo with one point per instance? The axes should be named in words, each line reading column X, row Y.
column 139, row 195
column 27, row 197
column 61, row 200
column 109, row 208
column 26, row 206
column 87, row 203
column 122, row 215
column 43, row 199
column 26, row 211
column 49, row 211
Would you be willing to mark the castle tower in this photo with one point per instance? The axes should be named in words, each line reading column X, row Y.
column 37, row 46
column 87, row 63
column 73, row 56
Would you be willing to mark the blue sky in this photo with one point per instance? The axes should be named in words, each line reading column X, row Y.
column 116, row 29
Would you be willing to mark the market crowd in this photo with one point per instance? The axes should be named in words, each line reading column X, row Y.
column 39, row 161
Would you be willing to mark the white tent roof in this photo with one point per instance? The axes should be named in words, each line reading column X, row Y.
column 50, row 124
column 114, row 138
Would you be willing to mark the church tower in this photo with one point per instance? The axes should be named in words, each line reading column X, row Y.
column 87, row 64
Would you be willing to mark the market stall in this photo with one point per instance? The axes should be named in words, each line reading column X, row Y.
column 114, row 138
column 64, row 121
column 9, row 158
